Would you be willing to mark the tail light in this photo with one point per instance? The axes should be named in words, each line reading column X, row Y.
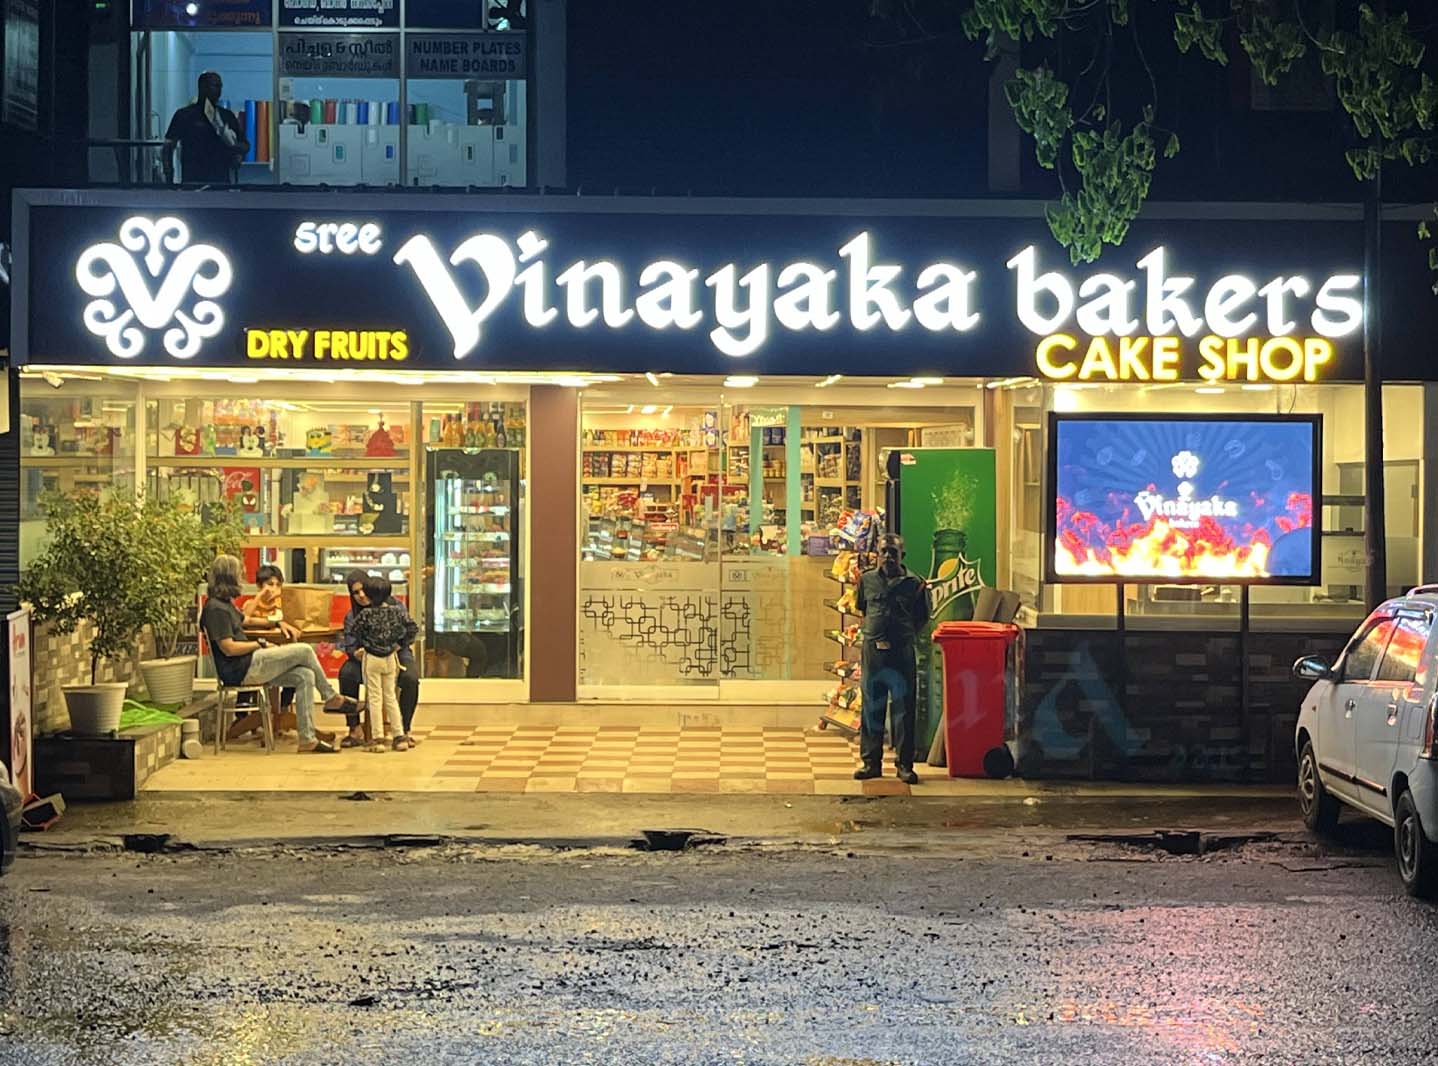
column 1429, row 729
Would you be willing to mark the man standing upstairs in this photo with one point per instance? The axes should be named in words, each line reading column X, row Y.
column 211, row 139
column 895, row 607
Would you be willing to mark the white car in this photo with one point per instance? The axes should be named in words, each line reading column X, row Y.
column 1365, row 734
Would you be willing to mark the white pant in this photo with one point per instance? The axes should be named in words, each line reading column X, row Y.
column 381, row 674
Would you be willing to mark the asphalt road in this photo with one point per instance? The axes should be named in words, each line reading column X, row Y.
column 1275, row 953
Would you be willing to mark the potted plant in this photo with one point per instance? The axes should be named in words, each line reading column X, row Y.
column 90, row 571
column 118, row 562
column 179, row 545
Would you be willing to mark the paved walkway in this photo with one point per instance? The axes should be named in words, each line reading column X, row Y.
column 471, row 758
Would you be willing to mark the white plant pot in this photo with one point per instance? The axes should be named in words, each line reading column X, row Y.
column 95, row 709
column 169, row 680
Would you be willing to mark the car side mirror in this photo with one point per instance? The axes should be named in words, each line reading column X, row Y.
column 1312, row 668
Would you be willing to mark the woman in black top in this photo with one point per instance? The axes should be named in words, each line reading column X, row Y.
column 242, row 661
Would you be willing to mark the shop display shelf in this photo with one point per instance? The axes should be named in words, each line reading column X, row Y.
column 325, row 540
column 833, row 605
column 840, row 578
column 497, row 509
column 288, row 462
column 654, row 449
column 456, row 625
column 839, row 639
column 629, row 481
column 63, row 462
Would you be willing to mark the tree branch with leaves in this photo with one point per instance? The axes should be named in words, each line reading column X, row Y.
column 1105, row 162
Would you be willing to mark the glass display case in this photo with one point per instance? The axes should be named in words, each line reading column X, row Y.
column 473, row 621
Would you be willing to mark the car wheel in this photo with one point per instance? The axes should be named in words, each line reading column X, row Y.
column 1320, row 809
column 1417, row 856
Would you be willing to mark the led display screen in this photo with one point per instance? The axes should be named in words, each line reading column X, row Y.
column 1171, row 499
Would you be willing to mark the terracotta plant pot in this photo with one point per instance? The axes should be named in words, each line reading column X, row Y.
column 169, row 681
column 95, row 709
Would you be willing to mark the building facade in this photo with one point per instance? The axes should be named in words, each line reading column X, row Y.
column 602, row 446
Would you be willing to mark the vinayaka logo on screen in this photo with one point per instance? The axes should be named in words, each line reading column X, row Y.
column 1183, row 534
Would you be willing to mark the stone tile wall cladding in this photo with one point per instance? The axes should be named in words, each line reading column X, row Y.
column 65, row 660
column 1180, row 718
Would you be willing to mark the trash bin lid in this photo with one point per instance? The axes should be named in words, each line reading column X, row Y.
column 1005, row 631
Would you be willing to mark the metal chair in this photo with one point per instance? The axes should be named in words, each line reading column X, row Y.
column 265, row 702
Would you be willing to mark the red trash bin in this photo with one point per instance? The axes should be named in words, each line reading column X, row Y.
column 977, row 658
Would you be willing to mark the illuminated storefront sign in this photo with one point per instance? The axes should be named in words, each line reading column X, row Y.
column 229, row 280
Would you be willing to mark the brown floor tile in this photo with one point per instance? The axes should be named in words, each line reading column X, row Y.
column 694, row 784
column 641, row 783
column 745, row 785
column 796, row 788
column 599, row 784
column 550, row 784
column 474, row 774
column 742, row 775
column 886, row 786
column 502, row 784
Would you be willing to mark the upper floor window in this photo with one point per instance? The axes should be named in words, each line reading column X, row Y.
column 426, row 92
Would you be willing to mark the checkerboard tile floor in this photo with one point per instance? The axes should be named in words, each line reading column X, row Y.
column 495, row 758
column 635, row 759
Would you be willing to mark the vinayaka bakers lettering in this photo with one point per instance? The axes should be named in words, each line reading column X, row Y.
column 463, row 293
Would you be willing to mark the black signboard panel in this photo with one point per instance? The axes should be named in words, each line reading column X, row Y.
column 339, row 14
column 695, row 287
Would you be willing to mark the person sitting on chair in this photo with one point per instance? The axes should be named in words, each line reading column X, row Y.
column 242, row 661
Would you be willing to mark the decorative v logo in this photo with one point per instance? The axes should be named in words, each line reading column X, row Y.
column 199, row 269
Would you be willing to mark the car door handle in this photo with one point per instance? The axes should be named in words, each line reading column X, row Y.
column 1348, row 708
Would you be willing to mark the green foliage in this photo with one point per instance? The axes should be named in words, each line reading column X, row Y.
column 1115, row 169
column 181, row 545
column 1392, row 103
column 122, row 563
column 1273, row 46
column 1040, row 105
column 1389, row 100
column 1191, row 27
column 1018, row 20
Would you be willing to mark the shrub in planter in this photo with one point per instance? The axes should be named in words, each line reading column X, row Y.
column 117, row 561
column 179, row 546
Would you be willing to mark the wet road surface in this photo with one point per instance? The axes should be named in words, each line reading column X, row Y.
column 1271, row 954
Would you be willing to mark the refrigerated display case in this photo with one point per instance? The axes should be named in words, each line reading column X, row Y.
column 472, row 619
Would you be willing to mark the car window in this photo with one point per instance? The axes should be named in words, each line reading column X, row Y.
column 1364, row 653
column 1405, row 649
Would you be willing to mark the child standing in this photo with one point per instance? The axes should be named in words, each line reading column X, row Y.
column 380, row 630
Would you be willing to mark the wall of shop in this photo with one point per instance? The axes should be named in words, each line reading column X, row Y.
column 64, row 659
column 1162, row 705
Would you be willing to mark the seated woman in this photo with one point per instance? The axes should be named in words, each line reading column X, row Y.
column 241, row 661
column 352, row 672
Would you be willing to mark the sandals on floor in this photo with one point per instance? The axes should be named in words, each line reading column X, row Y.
column 351, row 742
column 402, row 743
column 324, row 747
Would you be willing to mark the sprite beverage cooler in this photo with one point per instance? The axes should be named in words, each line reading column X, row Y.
column 945, row 503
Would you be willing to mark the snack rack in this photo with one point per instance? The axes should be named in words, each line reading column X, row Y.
column 857, row 538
